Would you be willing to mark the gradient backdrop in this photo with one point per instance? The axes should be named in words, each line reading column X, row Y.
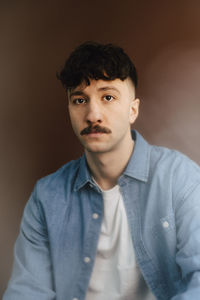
column 162, row 38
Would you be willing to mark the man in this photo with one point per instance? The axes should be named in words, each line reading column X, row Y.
column 121, row 222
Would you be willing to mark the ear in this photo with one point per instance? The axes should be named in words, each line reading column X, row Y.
column 134, row 110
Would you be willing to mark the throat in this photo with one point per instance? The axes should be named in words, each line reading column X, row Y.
column 106, row 168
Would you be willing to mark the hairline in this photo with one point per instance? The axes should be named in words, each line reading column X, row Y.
column 128, row 78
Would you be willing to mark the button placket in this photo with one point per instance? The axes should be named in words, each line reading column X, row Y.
column 165, row 224
column 87, row 259
column 95, row 216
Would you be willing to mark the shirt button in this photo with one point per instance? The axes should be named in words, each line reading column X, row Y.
column 165, row 224
column 95, row 216
column 86, row 259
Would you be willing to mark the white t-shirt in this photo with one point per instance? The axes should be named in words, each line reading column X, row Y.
column 116, row 275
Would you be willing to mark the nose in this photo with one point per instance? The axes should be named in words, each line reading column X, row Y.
column 94, row 113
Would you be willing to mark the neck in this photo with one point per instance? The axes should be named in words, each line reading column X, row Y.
column 107, row 167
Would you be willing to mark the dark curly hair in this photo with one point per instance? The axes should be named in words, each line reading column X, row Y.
column 93, row 60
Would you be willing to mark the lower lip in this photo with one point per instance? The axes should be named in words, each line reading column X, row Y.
column 95, row 134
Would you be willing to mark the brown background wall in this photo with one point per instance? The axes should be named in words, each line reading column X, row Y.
column 162, row 37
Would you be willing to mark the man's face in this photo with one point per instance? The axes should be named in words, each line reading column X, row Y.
column 102, row 112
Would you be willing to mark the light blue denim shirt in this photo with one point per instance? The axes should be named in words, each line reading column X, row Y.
column 161, row 193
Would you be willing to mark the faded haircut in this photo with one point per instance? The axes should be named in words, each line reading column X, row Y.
column 92, row 60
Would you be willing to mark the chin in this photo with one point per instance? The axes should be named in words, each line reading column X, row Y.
column 97, row 149
column 94, row 150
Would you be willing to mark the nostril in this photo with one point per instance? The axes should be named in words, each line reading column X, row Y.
column 93, row 123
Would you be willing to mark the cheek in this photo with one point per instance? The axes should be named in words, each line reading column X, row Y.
column 73, row 117
column 74, row 122
column 121, row 121
column 125, row 115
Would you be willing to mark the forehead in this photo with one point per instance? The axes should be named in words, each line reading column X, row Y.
column 116, row 85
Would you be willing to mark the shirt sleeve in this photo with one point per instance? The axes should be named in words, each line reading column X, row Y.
column 32, row 269
column 188, row 243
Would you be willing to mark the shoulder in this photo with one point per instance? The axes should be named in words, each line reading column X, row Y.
column 174, row 168
column 52, row 195
column 163, row 157
column 55, row 184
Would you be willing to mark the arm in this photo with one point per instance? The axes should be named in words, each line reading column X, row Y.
column 188, row 244
column 32, row 271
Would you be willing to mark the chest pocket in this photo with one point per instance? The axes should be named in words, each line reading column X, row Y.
column 163, row 238
column 164, row 227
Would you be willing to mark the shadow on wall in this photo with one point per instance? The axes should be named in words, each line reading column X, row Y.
column 171, row 99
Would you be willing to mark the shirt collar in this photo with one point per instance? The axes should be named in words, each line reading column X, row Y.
column 139, row 163
column 138, row 166
column 83, row 175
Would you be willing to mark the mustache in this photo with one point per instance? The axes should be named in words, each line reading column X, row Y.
column 95, row 129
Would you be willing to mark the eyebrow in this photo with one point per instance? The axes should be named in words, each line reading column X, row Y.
column 107, row 88
column 104, row 88
column 76, row 93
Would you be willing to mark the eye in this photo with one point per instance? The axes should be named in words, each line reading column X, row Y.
column 79, row 101
column 108, row 98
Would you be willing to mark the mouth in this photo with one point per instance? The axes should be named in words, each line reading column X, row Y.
column 95, row 130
